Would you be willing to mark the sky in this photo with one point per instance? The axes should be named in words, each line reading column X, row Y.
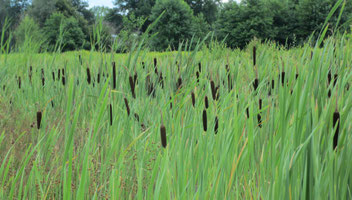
column 109, row 3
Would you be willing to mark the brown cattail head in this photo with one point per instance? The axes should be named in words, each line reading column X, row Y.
column 132, row 86
column 39, row 119
column 98, row 78
column 89, row 79
column 197, row 74
column 282, row 78
column 260, row 104
column 19, row 82
column 127, row 106
column 254, row 55
column 170, row 102
column 135, row 78
column 110, row 109
column 136, row 116
column 247, row 112
column 200, row 66
column 58, row 74
column 63, row 71
column 213, row 90
column 161, row 79
column 30, row 73
column 204, row 120
column 255, row 84
column 155, row 66
column 206, row 102
column 114, row 75
column 259, row 120
column 216, row 127
column 336, row 123
column 335, row 79
column 63, row 80
column 80, row 59
column 163, row 135
column 149, row 86
column 179, row 83
column 143, row 65
column 53, row 73
column 43, row 77
column 193, row 99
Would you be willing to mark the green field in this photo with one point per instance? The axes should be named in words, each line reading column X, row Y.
column 90, row 146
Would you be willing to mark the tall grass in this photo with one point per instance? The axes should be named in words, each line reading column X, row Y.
column 82, row 150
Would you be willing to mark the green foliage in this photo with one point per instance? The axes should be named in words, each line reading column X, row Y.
column 208, row 8
column 70, row 34
column 239, row 24
column 175, row 25
column 28, row 36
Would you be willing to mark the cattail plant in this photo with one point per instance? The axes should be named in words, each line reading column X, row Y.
column 149, row 86
column 98, row 78
column 135, row 78
column 113, row 75
column 136, row 116
column 163, row 133
column 39, row 119
column 214, row 90
column 216, row 127
column 43, row 77
column 206, row 102
column 63, row 80
column 161, row 80
column 229, row 81
column 247, row 112
column 197, row 74
column 19, row 82
column 204, row 120
column 254, row 55
column 132, row 86
column 179, row 83
column 170, row 102
column 193, row 99
column 282, row 78
column 80, row 59
column 155, row 66
column 336, row 123
column 110, row 109
column 127, row 106
column 58, row 74
column 53, row 73
column 89, row 79
column 30, row 73
column 143, row 65
column 259, row 116
column 200, row 66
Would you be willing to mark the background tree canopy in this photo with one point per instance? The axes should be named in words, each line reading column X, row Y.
column 287, row 22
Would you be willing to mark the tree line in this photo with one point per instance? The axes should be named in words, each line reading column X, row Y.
column 46, row 25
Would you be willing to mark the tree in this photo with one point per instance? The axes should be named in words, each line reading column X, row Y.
column 239, row 24
column 208, row 8
column 174, row 26
column 60, row 28
column 28, row 35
